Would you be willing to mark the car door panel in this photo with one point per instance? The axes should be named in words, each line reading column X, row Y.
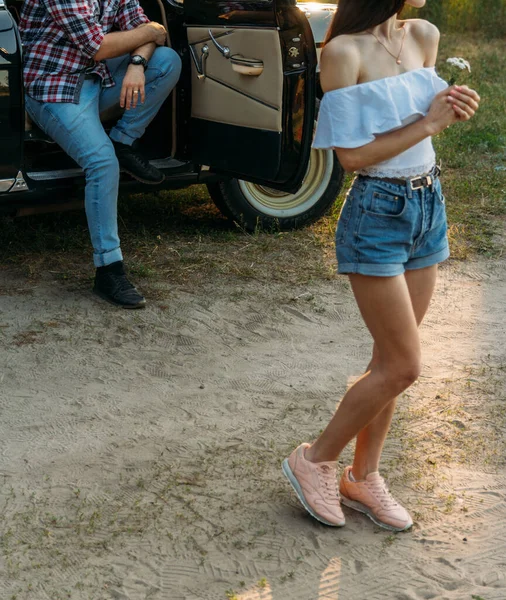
column 255, row 126
column 226, row 96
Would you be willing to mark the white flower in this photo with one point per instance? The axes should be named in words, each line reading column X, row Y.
column 460, row 63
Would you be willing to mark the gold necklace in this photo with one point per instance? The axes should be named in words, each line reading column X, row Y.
column 397, row 58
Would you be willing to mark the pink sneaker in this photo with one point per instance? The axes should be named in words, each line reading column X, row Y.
column 372, row 498
column 315, row 485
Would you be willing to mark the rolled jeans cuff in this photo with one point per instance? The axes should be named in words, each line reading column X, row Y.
column 106, row 258
column 121, row 137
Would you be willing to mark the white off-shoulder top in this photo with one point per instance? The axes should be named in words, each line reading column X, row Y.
column 353, row 116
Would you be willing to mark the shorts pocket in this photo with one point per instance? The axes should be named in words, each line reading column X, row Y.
column 438, row 221
column 386, row 205
column 344, row 219
column 438, row 192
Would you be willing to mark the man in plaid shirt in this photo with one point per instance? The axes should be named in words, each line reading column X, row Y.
column 82, row 57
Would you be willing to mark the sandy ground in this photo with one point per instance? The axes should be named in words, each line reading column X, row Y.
column 140, row 451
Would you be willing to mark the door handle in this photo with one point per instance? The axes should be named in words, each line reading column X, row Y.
column 246, row 66
column 240, row 64
column 225, row 50
column 200, row 61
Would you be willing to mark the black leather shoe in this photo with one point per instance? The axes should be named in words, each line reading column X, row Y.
column 112, row 285
column 136, row 165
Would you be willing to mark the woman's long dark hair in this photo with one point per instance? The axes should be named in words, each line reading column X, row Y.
column 354, row 16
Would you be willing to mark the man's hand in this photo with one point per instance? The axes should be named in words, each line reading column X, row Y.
column 132, row 90
column 158, row 33
column 118, row 43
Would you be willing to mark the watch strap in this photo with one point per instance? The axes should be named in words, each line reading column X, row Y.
column 137, row 59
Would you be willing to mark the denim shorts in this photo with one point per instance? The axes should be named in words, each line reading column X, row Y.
column 385, row 229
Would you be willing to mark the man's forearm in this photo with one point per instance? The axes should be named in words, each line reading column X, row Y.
column 118, row 43
column 145, row 50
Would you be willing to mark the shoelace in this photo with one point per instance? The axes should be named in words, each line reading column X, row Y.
column 121, row 283
column 379, row 488
column 143, row 162
column 328, row 481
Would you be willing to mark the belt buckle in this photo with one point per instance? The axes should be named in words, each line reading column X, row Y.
column 425, row 181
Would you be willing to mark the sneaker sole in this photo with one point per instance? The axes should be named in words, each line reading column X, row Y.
column 298, row 490
column 127, row 306
column 358, row 506
column 143, row 180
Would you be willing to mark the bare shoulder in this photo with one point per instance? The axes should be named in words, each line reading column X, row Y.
column 339, row 63
column 427, row 37
column 427, row 33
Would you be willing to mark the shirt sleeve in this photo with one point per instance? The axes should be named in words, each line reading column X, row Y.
column 77, row 22
column 130, row 15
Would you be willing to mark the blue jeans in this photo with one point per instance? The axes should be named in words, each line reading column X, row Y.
column 78, row 130
column 386, row 229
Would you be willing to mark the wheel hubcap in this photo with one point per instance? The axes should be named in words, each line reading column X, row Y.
column 280, row 204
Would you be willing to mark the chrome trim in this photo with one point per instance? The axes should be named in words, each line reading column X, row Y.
column 207, row 38
column 247, row 62
column 200, row 63
column 159, row 163
column 6, row 184
column 20, row 184
column 175, row 4
column 57, row 174
column 166, row 163
column 225, row 50
column 231, row 28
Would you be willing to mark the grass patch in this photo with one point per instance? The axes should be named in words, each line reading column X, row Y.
column 485, row 16
column 180, row 236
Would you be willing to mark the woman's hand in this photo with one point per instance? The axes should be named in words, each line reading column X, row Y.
column 452, row 105
column 132, row 90
column 465, row 101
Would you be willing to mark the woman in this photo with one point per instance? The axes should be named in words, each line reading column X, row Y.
column 383, row 101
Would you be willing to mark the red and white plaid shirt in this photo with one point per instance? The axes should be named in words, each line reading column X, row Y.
column 60, row 39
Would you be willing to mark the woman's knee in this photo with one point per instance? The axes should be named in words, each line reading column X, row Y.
column 402, row 373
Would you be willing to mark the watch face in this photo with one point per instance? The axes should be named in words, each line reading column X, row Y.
column 138, row 60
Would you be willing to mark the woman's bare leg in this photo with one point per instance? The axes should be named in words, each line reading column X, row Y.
column 370, row 440
column 386, row 307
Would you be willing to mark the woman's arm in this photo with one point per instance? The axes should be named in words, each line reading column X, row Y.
column 453, row 105
column 391, row 144
column 340, row 68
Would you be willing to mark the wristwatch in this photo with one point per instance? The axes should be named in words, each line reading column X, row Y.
column 137, row 59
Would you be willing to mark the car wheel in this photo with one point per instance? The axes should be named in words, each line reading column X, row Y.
column 256, row 206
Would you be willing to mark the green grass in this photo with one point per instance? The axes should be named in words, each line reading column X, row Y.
column 486, row 16
column 182, row 237
column 474, row 154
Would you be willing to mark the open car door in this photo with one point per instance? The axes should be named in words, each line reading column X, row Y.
column 253, row 89
column 11, row 105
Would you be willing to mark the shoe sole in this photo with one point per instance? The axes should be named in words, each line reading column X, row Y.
column 358, row 506
column 298, row 490
column 127, row 306
column 143, row 180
